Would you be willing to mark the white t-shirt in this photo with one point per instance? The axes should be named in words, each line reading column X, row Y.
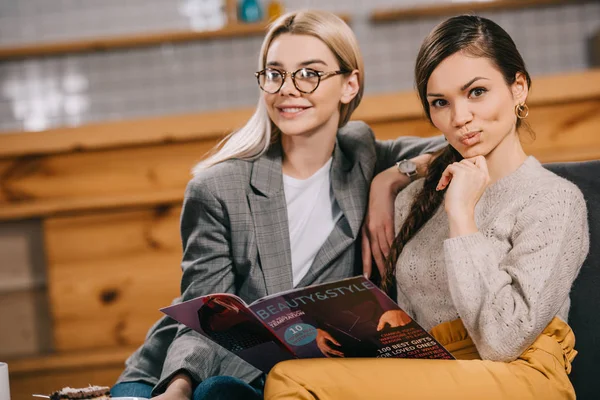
column 312, row 214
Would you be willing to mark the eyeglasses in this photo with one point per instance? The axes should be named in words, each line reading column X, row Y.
column 306, row 80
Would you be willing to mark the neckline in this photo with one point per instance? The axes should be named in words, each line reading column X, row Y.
column 288, row 180
column 502, row 183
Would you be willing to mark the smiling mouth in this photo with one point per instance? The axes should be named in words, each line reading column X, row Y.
column 290, row 112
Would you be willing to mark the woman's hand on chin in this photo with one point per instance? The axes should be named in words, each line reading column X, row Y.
column 465, row 182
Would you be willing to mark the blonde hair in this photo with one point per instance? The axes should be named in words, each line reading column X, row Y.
column 253, row 139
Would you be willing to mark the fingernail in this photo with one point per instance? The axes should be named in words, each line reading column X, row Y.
column 366, row 275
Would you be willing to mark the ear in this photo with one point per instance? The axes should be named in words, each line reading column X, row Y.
column 350, row 88
column 520, row 89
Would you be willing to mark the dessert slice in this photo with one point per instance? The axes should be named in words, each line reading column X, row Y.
column 88, row 393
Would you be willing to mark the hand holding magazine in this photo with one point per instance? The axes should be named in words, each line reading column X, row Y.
column 347, row 318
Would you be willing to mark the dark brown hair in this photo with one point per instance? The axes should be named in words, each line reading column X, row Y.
column 475, row 36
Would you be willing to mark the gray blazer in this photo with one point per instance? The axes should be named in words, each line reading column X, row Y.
column 235, row 238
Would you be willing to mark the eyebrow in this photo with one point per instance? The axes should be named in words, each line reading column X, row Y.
column 302, row 64
column 463, row 87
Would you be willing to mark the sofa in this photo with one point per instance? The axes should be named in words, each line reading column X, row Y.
column 584, row 316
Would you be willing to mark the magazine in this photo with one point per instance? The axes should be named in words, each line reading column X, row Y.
column 347, row 318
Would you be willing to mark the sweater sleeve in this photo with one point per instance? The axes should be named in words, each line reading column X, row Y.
column 505, row 303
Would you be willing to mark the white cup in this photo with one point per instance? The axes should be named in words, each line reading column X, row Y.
column 4, row 385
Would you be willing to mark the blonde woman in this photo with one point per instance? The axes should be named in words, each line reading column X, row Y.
column 279, row 205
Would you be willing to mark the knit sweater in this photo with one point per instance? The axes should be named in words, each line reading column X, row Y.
column 507, row 281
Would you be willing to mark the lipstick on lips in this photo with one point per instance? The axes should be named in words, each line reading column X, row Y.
column 471, row 138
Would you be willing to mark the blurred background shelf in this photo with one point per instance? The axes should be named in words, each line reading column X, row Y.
column 405, row 13
column 129, row 41
column 133, row 40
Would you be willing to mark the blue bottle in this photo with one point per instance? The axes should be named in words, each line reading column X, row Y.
column 250, row 11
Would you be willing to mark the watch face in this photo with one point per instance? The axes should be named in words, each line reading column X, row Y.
column 407, row 167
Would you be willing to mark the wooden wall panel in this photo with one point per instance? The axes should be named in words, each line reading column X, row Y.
column 109, row 273
column 107, row 178
column 565, row 132
column 409, row 127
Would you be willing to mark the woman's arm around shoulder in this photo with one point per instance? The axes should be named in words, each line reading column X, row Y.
column 389, row 152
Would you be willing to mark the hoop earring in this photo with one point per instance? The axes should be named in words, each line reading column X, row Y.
column 521, row 111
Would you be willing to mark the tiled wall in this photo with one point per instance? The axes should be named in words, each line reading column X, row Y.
column 42, row 93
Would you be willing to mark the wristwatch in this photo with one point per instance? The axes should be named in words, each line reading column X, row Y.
column 408, row 168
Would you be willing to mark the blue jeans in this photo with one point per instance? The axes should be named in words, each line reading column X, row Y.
column 131, row 389
column 213, row 388
column 229, row 388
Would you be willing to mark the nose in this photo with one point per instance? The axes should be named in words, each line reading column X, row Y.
column 461, row 114
column 288, row 88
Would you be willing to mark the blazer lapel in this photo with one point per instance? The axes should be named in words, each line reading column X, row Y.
column 269, row 213
column 350, row 189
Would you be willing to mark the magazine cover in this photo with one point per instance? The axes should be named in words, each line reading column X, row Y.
column 347, row 318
